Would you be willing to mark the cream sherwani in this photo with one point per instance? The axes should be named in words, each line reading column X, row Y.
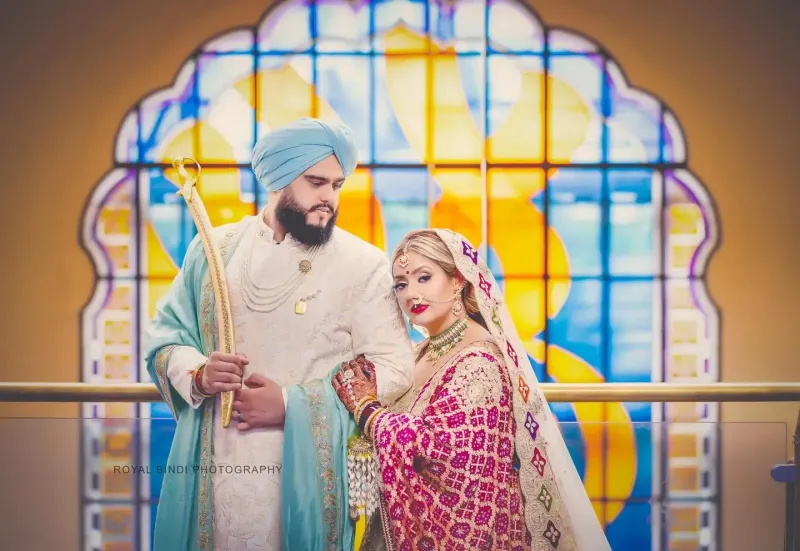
column 353, row 311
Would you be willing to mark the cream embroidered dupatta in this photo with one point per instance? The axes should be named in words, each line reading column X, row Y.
column 558, row 513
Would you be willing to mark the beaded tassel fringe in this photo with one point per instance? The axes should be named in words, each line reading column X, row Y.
column 362, row 468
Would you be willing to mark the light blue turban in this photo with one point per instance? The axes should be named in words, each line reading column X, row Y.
column 281, row 156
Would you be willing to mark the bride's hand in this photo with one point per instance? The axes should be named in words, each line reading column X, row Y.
column 360, row 374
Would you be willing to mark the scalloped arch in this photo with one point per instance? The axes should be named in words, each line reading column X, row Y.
column 587, row 180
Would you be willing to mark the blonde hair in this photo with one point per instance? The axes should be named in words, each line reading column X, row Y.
column 428, row 244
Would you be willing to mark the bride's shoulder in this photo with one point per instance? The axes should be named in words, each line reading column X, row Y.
column 419, row 348
column 480, row 337
column 486, row 346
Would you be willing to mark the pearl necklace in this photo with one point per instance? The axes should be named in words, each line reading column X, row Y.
column 263, row 299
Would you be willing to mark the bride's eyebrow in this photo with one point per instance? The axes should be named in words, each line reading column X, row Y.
column 414, row 271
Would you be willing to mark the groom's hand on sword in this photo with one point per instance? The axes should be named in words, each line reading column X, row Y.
column 223, row 372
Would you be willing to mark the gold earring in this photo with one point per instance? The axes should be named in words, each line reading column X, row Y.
column 458, row 306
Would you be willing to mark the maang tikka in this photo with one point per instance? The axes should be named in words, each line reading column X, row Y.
column 402, row 261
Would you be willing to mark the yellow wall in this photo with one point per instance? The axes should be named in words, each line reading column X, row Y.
column 729, row 75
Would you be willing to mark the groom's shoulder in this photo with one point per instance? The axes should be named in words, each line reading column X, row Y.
column 226, row 231
column 363, row 255
column 220, row 235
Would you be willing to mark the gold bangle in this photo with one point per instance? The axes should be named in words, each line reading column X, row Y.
column 370, row 421
column 360, row 406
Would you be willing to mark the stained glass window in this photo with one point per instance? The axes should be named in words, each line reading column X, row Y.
column 472, row 116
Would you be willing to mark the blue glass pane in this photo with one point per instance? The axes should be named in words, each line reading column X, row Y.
column 459, row 25
column 168, row 217
column 287, row 29
column 574, row 213
column 343, row 83
column 407, row 185
column 342, row 27
column 644, row 433
column 634, row 198
column 632, row 528
column 169, row 115
column 160, row 410
column 226, row 91
column 573, row 436
column 403, row 198
column 634, row 121
column 395, row 21
column 539, row 370
column 575, row 93
column 512, row 29
column 248, row 187
column 400, row 122
column 634, row 345
column 578, row 327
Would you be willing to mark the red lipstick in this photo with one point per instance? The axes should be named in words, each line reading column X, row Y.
column 418, row 308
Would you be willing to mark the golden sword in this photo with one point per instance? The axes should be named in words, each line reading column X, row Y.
column 216, row 268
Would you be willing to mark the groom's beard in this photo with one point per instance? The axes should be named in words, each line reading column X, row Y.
column 292, row 217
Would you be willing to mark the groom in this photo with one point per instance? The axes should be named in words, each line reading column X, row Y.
column 305, row 296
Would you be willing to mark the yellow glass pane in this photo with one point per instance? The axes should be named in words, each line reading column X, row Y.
column 459, row 205
column 358, row 211
column 515, row 226
column 406, row 84
column 456, row 138
column 516, row 110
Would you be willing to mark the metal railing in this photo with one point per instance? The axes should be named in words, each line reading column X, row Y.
column 554, row 392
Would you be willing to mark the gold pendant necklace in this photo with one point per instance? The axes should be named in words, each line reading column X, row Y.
column 445, row 341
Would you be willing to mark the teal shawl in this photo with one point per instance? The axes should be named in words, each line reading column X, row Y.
column 314, row 513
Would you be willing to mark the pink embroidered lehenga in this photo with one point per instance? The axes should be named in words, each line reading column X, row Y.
column 474, row 459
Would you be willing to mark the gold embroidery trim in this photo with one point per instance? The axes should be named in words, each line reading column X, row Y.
column 320, row 429
column 208, row 324
column 161, row 362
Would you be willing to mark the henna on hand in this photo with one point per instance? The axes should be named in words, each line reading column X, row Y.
column 362, row 382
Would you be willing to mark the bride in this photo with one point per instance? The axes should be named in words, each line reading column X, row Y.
column 471, row 457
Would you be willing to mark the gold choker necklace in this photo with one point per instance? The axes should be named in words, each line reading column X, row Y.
column 445, row 341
